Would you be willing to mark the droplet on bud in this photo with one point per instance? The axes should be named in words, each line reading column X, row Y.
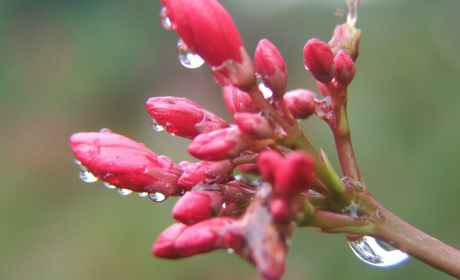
column 156, row 126
column 105, row 130
column 186, row 57
column 157, row 197
column 377, row 253
column 109, row 186
column 164, row 19
column 87, row 177
column 124, row 191
column 265, row 90
column 143, row 194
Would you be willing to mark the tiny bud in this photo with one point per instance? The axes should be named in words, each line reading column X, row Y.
column 255, row 126
column 345, row 68
column 322, row 89
column 300, row 102
column 271, row 67
column 267, row 163
column 125, row 163
column 242, row 102
column 228, row 98
column 295, row 174
column 319, row 60
column 281, row 211
column 164, row 245
column 206, row 172
column 346, row 38
column 221, row 144
column 193, row 207
column 183, row 117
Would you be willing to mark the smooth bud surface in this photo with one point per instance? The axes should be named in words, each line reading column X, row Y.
column 319, row 60
column 345, row 68
column 271, row 67
column 300, row 102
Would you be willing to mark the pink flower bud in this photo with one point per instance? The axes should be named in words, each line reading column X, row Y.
column 271, row 67
column 206, row 172
column 345, row 68
column 125, row 163
column 221, row 144
column 346, row 37
column 300, row 102
column 281, row 211
column 183, row 117
column 319, row 60
column 209, row 31
column 242, row 102
column 228, row 98
column 268, row 162
column 295, row 174
column 193, row 206
column 255, row 126
column 249, row 168
column 164, row 246
column 322, row 89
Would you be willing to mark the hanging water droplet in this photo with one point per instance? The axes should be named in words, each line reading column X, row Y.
column 109, row 186
column 164, row 19
column 124, row 191
column 230, row 251
column 87, row 176
column 265, row 90
column 377, row 253
column 105, row 130
column 157, row 197
column 156, row 126
column 186, row 57
column 143, row 194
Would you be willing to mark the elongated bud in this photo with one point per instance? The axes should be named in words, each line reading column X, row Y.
column 345, row 68
column 295, row 174
column 206, row 172
column 193, row 206
column 125, row 163
column 164, row 245
column 183, row 117
column 271, row 67
column 319, row 60
column 300, row 102
column 255, row 126
column 209, row 31
column 221, row 144
column 242, row 102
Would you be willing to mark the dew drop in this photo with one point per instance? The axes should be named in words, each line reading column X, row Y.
column 265, row 90
column 143, row 194
column 124, row 191
column 186, row 57
column 105, row 130
column 164, row 19
column 157, row 197
column 377, row 253
column 109, row 186
column 230, row 251
column 156, row 126
column 87, row 176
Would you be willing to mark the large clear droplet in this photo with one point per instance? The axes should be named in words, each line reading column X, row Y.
column 164, row 19
column 87, row 177
column 377, row 253
column 157, row 197
column 124, row 191
column 156, row 126
column 109, row 186
column 265, row 90
column 186, row 57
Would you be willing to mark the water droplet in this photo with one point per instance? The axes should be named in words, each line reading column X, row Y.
column 224, row 205
column 124, row 191
column 87, row 176
column 312, row 192
column 105, row 130
column 377, row 253
column 186, row 57
column 164, row 19
column 265, row 90
column 143, row 194
column 230, row 251
column 157, row 197
column 156, row 126
column 109, row 186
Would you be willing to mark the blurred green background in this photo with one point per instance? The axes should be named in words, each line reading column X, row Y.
column 69, row 66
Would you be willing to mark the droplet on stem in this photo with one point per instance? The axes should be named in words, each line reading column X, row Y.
column 186, row 57
column 377, row 253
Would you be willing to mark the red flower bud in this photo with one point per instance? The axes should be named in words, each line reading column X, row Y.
column 164, row 246
column 206, row 172
column 228, row 98
column 268, row 162
column 345, row 68
column 183, row 117
column 125, row 163
column 295, row 174
column 281, row 211
column 271, row 67
column 209, row 31
column 255, row 126
column 221, row 144
column 322, row 89
column 242, row 102
column 300, row 102
column 194, row 206
column 319, row 60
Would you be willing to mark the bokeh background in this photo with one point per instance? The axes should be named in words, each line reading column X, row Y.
column 69, row 66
